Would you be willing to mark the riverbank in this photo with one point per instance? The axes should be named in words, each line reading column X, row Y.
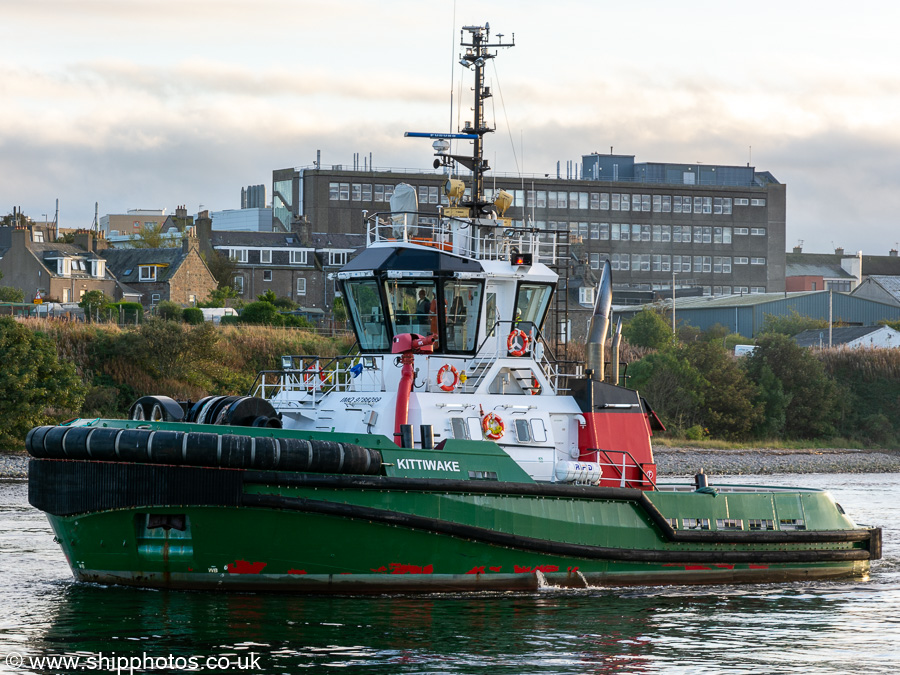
column 687, row 461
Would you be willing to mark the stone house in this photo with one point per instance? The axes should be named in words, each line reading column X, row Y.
column 58, row 272
column 174, row 274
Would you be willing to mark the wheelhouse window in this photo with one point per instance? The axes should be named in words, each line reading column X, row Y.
column 412, row 304
column 461, row 301
column 364, row 305
column 531, row 305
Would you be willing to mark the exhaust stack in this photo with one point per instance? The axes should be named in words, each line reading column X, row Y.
column 614, row 357
column 596, row 342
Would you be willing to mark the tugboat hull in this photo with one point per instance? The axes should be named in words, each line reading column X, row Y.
column 228, row 529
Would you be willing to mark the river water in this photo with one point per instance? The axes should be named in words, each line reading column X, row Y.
column 835, row 627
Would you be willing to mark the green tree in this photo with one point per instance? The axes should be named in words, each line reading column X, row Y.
column 339, row 309
column 169, row 311
column 261, row 312
column 92, row 301
column 285, row 304
column 791, row 324
column 648, row 328
column 10, row 294
column 268, row 296
column 221, row 266
column 809, row 396
column 35, row 388
column 729, row 400
column 151, row 235
column 218, row 297
column 671, row 385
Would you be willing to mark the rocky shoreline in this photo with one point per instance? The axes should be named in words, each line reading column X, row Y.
column 687, row 461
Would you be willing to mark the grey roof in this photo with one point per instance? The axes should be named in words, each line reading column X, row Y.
column 338, row 240
column 124, row 262
column 268, row 239
column 748, row 299
column 889, row 283
column 816, row 270
column 839, row 335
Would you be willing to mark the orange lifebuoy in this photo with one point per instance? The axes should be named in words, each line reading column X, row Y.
column 492, row 426
column 309, row 375
column 440, row 377
column 512, row 342
column 535, row 386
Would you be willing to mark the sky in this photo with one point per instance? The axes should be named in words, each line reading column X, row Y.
column 158, row 103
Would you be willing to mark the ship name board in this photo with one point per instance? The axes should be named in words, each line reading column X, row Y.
column 427, row 464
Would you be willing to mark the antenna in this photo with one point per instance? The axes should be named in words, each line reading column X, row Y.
column 477, row 53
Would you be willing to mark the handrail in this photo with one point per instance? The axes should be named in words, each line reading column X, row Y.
column 621, row 469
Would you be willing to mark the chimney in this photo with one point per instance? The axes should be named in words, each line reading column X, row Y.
column 303, row 228
column 100, row 243
column 893, row 253
column 181, row 211
column 798, row 249
column 84, row 239
column 20, row 238
column 839, row 251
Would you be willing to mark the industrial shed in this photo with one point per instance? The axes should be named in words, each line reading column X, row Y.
column 746, row 314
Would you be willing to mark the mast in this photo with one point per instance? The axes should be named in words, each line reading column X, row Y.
column 477, row 53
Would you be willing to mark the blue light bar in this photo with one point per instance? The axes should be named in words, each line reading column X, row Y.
column 418, row 134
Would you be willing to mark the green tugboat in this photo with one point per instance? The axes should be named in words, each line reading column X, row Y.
column 451, row 452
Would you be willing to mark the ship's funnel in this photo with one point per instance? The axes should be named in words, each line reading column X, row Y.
column 594, row 356
column 614, row 356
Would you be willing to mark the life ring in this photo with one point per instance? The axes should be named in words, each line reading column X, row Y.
column 309, row 375
column 512, row 342
column 535, row 386
column 440, row 377
column 492, row 426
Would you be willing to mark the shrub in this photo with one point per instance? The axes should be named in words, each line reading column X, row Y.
column 129, row 311
column 169, row 311
column 35, row 386
column 193, row 315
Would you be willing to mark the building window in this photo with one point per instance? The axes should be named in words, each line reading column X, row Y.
column 604, row 201
column 267, row 275
column 298, row 257
column 98, row 268
column 741, row 230
column 758, row 231
column 741, row 202
column 595, row 201
column 604, row 231
column 757, row 202
column 379, row 193
column 367, row 192
column 238, row 255
column 757, row 261
column 595, row 261
column 147, row 273
column 345, row 192
column 239, row 285
column 265, row 256
column 301, row 286
column 595, row 230
column 586, row 295
column 334, row 191
column 37, row 236
column 356, row 192
column 337, row 257
column 757, row 289
column 741, row 260
column 154, row 299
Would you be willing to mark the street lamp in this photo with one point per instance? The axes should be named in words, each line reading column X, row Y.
column 673, row 301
